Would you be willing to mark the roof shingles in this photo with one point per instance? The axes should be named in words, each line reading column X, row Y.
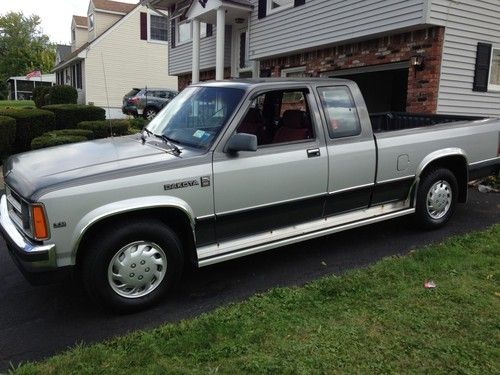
column 80, row 21
column 113, row 6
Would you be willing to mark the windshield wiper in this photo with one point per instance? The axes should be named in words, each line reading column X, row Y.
column 177, row 151
column 143, row 137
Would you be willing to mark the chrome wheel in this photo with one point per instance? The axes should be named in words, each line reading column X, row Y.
column 137, row 269
column 150, row 114
column 439, row 199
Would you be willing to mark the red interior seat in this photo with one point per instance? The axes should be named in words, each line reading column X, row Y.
column 295, row 127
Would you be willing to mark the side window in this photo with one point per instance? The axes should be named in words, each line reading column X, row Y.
column 340, row 111
column 278, row 117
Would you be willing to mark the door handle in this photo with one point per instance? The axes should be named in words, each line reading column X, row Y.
column 313, row 153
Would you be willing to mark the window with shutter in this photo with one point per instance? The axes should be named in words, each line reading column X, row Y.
column 494, row 83
column 271, row 6
column 483, row 59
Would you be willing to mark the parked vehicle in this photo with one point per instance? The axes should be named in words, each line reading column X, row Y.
column 230, row 169
column 146, row 102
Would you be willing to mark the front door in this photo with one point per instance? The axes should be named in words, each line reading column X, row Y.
column 285, row 181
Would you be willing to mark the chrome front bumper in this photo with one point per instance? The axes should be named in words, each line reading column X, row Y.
column 29, row 256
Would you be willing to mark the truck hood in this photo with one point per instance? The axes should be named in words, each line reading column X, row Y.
column 32, row 173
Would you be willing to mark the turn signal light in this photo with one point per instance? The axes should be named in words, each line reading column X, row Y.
column 40, row 231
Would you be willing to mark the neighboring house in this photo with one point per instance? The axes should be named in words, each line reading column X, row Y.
column 118, row 46
column 21, row 88
column 62, row 51
column 434, row 56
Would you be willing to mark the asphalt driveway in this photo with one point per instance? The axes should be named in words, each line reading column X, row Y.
column 36, row 322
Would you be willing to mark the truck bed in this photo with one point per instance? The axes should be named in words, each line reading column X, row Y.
column 389, row 121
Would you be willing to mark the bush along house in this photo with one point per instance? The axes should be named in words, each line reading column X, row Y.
column 430, row 56
column 115, row 48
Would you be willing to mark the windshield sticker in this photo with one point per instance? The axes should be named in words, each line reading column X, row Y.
column 199, row 134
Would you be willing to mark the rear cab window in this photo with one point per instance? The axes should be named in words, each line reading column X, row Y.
column 340, row 111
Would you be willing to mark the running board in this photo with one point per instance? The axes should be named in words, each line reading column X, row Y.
column 217, row 253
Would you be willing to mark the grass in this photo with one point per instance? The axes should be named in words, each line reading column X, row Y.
column 17, row 103
column 374, row 320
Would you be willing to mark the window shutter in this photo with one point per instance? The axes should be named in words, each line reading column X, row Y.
column 172, row 27
column 482, row 70
column 299, row 2
column 243, row 41
column 144, row 26
column 262, row 8
column 210, row 29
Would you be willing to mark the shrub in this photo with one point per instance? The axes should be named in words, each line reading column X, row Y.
column 7, row 135
column 89, row 134
column 138, row 123
column 30, row 123
column 62, row 94
column 69, row 115
column 49, row 141
column 102, row 129
column 39, row 95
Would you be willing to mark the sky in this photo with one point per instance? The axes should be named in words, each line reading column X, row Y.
column 55, row 14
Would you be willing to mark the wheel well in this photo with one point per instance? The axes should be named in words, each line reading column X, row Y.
column 458, row 166
column 176, row 219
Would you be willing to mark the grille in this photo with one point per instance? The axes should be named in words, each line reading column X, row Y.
column 18, row 210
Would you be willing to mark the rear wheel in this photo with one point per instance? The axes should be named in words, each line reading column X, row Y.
column 133, row 266
column 150, row 113
column 436, row 198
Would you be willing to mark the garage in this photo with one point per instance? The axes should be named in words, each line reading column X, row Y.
column 384, row 87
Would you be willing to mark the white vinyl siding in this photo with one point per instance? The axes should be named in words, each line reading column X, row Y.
column 181, row 55
column 127, row 61
column 466, row 23
column 320, row 23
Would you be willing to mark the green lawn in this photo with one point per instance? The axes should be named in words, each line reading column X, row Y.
column 372, row 321
column 17, row 103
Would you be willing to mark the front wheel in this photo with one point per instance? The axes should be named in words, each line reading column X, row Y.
column 436, row 198
column 133, row 266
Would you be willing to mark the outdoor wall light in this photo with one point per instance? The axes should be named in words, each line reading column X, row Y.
column 417, row 61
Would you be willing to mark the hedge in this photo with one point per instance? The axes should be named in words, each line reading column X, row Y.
column 48, row 141
column 103, row 129
column 41, row 95
column 62, row 94
column 69, row 115
column 89, row 134
column 30, row 123
column 7, row 135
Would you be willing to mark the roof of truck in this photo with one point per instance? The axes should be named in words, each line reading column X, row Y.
column 251, row 82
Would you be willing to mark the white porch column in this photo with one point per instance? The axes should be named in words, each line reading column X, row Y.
column 196, row 52
column 15, row 89
column 219, row 52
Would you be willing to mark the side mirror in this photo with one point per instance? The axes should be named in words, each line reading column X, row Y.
column 242, row 142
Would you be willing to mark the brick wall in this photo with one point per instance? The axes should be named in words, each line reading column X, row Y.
column 208, row 75
column 422, row 85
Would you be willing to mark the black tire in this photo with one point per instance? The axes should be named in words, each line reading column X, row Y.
column 149, row 113
column 423, row 215
column 97, row 258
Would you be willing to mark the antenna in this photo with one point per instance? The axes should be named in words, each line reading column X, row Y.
column 107, row 96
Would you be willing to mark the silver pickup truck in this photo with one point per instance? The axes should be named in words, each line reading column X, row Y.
column 229, row 169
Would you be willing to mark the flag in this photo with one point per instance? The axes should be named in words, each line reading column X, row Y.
column 34, row 73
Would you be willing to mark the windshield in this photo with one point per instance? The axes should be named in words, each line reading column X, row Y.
column 196, row 116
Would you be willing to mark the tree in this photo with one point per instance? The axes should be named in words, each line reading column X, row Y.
column 23, row 46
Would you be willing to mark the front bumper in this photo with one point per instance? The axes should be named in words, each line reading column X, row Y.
column 129, row 110
column 35, row 260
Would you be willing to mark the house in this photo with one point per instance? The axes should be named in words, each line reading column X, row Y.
column 21, row 88
column 432, row 56
column 116, row 47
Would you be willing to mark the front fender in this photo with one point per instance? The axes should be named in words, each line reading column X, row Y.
column 127, row 205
